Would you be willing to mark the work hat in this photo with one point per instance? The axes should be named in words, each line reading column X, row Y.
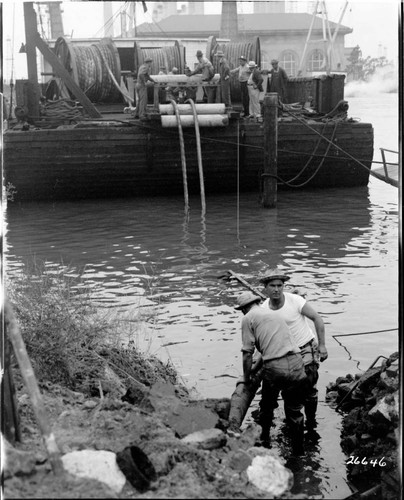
column 148, row 59
column 199, row 53
column 252, row 64
column 175, row 69
column 243, row 58
column 274, row 274
column 274, row 61
column 246, row 298
column 219, row 53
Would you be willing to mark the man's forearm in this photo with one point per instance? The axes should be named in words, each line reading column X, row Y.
column 247, row 364
column 320, row 330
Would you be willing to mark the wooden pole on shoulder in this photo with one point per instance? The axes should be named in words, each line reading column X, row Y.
column 269, row 181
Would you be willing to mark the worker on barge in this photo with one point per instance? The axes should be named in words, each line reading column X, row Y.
column 143, row 76
column 205, row 67
column 223, row 91
column 254, row 85
column 278, row 80
column 243, row 76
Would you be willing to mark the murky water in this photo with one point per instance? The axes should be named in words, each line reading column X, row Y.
column 340, row 247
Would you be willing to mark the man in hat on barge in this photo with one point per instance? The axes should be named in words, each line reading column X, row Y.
column 243, row 75
column 223, row 91
column 283, row 368
column 254, row 85
column 295, row 311
column 205, row 67
column 143, row 76
column 278, row 80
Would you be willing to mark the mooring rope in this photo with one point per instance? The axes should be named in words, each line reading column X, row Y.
column 287, row 183
column 183, row 160
column 199, row 155
column 335, row 145
column 364, row 333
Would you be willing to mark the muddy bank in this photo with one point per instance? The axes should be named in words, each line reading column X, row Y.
column 166, row 445
column 370, row 428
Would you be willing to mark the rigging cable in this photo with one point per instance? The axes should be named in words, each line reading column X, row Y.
column 199, row 154
column 287, row 183
column 183, row 160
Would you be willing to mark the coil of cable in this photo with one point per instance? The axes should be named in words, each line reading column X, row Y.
column 169, row 56
column 88, row 66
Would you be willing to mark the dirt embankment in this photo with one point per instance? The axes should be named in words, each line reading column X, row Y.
column 370, row 432
column 166, row 444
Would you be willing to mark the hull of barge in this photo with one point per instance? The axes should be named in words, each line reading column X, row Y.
column 143, row 159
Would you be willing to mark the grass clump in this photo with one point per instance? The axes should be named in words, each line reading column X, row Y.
column 68, row 339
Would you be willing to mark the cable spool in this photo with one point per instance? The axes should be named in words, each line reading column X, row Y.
column 87, row 66
column 232, row 52
column 170, row 56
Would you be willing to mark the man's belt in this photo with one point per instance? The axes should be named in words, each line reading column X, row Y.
column 307, row 344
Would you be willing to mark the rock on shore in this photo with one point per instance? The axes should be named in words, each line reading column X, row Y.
column 370, row 431
column 166, row 445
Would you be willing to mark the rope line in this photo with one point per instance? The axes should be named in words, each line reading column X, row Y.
column 183, row 160
column 364, row 333
column 199, row 154
column 287, row 183
column 335, row 145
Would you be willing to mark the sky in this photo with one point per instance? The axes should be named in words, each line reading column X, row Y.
column 375, row 25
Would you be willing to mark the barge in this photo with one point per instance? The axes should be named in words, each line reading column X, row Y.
column 71, row 147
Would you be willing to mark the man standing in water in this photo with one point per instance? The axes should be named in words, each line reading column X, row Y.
column 283, row 368
column 296, row 311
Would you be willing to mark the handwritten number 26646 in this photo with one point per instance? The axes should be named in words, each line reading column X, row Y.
column 364, row 461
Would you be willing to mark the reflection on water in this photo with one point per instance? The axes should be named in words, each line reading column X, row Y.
column 339, row 246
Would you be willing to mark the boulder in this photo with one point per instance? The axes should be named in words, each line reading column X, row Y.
column 98, row 465
column 269, row 475
column 386, row 409
column 208, row 439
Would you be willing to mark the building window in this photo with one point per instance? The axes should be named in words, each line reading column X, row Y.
column 316, row 61
column 288, row 61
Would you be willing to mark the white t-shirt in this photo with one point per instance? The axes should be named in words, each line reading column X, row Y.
column 290, row 312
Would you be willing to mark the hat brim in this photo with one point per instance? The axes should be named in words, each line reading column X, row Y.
column 238, row 308
column 281, row 277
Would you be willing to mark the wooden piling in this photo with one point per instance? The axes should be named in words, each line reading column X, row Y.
column 269, row 182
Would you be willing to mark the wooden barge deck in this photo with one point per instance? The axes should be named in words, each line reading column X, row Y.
column 136, row 158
